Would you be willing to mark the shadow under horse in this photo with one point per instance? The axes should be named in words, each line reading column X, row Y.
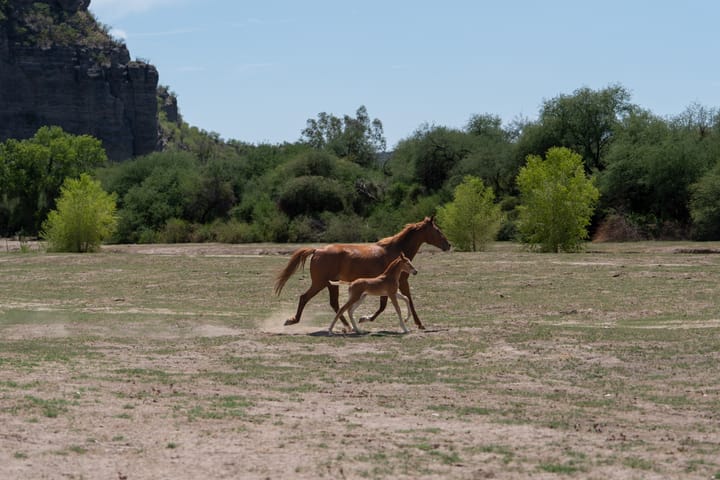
column 347, row 262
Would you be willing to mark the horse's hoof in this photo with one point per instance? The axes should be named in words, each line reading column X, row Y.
column 291, row 321
column 364, row 319
column 421, row 327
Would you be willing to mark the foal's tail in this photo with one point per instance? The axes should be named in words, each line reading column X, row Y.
column 298, row 258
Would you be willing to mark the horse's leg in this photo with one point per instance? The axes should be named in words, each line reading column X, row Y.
column 383, row 304
column 334, row 292
column 405, row 290
column 393, row 298
column 304, row 298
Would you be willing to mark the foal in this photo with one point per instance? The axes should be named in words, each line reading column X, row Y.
column 384, row 285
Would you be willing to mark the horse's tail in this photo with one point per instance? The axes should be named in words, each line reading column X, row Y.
column 298, row 258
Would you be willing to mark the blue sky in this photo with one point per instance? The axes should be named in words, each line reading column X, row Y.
column 255, row 71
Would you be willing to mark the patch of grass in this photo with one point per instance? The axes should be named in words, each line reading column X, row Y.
column 638, row 463
column 50, row 408
column 504, row 451
column 80, row 450
column 220, row 408
column 146, row 375
column 446, row 457
column 461, row 410
column 561, row 468
column 29, row 354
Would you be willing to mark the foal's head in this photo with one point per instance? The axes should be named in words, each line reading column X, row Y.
column 404, row 264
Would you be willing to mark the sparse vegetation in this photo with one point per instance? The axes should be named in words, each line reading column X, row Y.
column 151, row 353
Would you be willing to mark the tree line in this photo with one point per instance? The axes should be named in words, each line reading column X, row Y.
column 657, row 177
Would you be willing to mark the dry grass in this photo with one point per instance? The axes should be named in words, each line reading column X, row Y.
column 172, row 362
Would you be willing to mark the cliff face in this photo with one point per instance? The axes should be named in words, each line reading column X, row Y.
column 59, row 67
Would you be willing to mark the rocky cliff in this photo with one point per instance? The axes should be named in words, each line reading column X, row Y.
column 58, row 66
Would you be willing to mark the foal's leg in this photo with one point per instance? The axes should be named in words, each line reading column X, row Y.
column 352, row 309
column 393, row 298
column 405, row 290
column 338, row 315
column 383, row 304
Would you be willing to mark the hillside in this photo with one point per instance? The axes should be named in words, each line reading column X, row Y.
column 59, row 66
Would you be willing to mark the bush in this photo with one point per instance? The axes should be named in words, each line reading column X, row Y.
column 312, row 194
column 176, row 231
column 84, row 218
column 472, row 219
column 305, row 229
column 618, row 228
column 557, row 201
column 705, row 206
column 235, row 231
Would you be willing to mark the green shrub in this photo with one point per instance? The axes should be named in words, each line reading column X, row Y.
column 472, row 219
column 84, row 218
column 312, row 194
column 705, row 206
column 557, row 201
column 176, row 231
column 234, row 231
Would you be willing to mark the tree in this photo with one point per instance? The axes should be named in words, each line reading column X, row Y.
column 430, row 155
column 84, row 218
column 311, row 195
column 650, row 167
column 584, row 121
column 705, row 206
column 358, row 139
column 33, row 171
column 472, row 219
column 491, row 157
column 557, row 201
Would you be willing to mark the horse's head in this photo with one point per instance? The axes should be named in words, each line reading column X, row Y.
column 433, row 234
column 405, row 264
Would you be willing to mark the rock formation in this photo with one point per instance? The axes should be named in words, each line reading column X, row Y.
column 59, row 67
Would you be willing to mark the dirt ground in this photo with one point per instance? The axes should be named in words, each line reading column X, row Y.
column 182, row 392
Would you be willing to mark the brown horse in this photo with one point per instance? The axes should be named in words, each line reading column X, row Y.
column 346, row 262
column 384, row 285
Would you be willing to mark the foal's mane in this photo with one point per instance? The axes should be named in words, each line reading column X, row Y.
column 410, row 227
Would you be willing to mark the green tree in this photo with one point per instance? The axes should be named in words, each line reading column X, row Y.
column 472, row 219
column 311, row 195
column 492, row 154
column 584, row 122
column 84, row 218
column 35, row 168
column 557, row 201
column 430, row 155
column 650, row 167
column 705, row 206
column 358, row 139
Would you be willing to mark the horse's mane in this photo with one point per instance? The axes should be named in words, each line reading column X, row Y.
column 410, row 227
